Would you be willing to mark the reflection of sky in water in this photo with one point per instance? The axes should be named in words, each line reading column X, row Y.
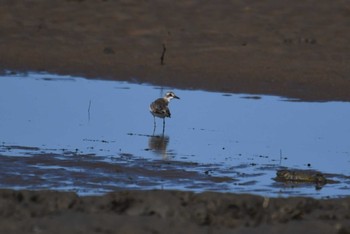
column 205, row 127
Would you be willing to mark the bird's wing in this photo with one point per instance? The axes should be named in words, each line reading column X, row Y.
column 160, row 107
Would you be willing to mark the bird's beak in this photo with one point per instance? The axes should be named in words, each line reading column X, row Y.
column 176, row 97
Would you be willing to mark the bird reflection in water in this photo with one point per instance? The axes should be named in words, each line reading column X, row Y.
column 158, row 144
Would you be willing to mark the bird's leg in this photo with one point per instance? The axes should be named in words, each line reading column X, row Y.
column 154, row 124
column 163, row 125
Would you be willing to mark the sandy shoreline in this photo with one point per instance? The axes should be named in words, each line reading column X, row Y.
column 294, row 49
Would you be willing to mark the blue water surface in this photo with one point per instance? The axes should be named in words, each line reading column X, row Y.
column 240, row 136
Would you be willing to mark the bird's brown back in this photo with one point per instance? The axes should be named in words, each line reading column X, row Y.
column 160, row 108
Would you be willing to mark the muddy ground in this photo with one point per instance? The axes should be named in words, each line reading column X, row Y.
column 168, row 212
column 298, row 49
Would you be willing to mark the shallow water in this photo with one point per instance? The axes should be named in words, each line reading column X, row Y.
column 92, row 136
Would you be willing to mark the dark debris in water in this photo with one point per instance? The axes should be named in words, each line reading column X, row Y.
column 252, row 97
column 102, row 141
column 17, row 147
column 298, row 178
column 72, row 170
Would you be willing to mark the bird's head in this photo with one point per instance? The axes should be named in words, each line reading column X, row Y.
column 170, row 95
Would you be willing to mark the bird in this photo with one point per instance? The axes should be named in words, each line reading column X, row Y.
column 159, row 108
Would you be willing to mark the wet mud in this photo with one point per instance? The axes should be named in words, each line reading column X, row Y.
column 294, row 49
column 37, row 168
column 90, row 174
column 168, row 211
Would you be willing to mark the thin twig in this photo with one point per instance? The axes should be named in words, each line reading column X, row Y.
column 89, row 110
column 163, row 55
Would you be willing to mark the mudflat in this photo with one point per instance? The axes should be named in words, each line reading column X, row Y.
column 297, row 49
column 168, row 212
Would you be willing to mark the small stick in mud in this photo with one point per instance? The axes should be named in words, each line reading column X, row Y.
column 89, row 110
column 163, row 55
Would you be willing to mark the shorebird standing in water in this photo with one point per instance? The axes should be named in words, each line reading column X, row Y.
column 159, row 108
